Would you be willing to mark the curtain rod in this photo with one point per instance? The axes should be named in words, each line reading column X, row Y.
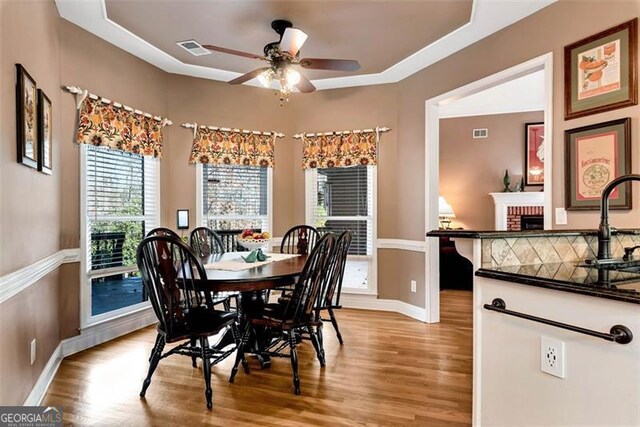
column 256, row 132
column 81, row 94
column 344, row 132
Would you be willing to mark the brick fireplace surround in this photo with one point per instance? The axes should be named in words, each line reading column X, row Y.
column 515, row 213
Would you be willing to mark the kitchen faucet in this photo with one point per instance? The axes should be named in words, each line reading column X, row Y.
column 604, row 230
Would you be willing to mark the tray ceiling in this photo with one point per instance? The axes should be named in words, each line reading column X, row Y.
column 391, row 39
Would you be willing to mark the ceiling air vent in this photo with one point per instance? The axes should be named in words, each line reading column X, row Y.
column 193, row 47
column 480, row 133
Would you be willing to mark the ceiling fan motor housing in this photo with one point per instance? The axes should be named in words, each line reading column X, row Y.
column 279, row 25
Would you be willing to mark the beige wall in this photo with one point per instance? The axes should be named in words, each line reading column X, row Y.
column 29, row 200
column 470, row 168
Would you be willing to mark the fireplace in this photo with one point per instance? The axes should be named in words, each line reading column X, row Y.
column 519, row 211
column 532, row 222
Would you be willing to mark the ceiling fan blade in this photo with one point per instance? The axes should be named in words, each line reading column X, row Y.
column 292, row 40
column 250, row 75
column 304, row 85
column 232, row 52
column 330, row 64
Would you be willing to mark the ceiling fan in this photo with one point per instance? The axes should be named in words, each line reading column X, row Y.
column 281, row 56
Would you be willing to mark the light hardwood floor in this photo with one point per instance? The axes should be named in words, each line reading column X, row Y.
column 392, row 370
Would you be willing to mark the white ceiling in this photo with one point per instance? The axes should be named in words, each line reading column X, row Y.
column 487, row 17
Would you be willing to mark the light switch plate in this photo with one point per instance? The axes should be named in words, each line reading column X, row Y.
column 561, row 216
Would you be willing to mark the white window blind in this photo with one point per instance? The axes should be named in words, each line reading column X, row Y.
column 342, row 199
column 122, row 205
column 235, row 197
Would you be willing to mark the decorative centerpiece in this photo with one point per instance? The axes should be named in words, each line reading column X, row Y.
column 254, row 240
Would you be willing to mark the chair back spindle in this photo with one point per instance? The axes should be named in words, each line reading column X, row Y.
column 332, row 286
column 302, row 303
column 205, row 242
column 300, row 240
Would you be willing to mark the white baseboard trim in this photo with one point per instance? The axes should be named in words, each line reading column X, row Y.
column 401, row 244
column 106, row 331
column 46, row 376
column 371, row 302
column 89, row 337
column 13, row 283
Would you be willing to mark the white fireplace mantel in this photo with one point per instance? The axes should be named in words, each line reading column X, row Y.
column 504, row 200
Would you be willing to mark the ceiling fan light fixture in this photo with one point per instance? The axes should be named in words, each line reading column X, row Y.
column 292, row 40
column 292, row 76
column 266, row 78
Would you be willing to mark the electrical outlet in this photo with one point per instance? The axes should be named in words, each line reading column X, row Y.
column 414, row 286
column 552, row 357
column 33, row 351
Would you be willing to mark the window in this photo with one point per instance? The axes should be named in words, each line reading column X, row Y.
column 341, row 199
column 120, row 205
column 235, row 197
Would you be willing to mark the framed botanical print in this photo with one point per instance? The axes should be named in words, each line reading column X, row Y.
column 534, row 154
column 45, row 133
column 26, row 115
column 601, row 71
column 594, row 156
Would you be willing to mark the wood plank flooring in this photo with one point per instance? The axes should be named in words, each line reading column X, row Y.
column 392, row 370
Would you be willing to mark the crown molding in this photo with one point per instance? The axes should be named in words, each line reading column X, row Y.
column 487, row 17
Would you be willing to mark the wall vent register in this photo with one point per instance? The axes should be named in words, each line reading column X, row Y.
column 194, row 48
column 480, row 133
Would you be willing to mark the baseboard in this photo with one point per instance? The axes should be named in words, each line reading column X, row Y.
column 371, row 302
column 106, row 331
column 46, row 376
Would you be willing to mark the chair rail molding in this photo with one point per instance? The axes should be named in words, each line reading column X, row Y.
column 402, row 244
column 13, row 283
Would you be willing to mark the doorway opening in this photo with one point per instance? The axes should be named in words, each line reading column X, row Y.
column 434, row 111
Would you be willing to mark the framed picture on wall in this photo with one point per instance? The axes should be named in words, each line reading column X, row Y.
column 26, row 118
column 45, row 133
column 601, row 71
column 594, row 156
column 534, row 154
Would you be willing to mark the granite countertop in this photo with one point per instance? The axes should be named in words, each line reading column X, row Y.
column 495, row 234
column 572, row 277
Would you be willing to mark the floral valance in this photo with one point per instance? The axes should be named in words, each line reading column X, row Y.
column 231, row 147
column 339, row 150
column 107, row 125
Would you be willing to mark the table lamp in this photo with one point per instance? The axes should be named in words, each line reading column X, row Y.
column 445, row 212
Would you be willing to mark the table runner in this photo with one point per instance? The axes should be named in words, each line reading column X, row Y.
column 239, row 264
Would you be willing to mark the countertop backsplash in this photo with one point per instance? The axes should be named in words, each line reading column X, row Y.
column 501, row 252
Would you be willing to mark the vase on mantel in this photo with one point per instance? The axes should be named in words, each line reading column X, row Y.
column 507, row 182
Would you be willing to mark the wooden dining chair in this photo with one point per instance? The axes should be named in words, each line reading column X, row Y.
column 170, row 271
column 205, row 242
column 300, row 240
column 298, row 315
column 230, row 239
column 329, row 297
column 163, row 231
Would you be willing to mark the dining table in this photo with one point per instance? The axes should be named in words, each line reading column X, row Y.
column 253, row 282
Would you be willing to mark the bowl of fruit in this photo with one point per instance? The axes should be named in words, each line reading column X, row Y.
column 253, row 240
